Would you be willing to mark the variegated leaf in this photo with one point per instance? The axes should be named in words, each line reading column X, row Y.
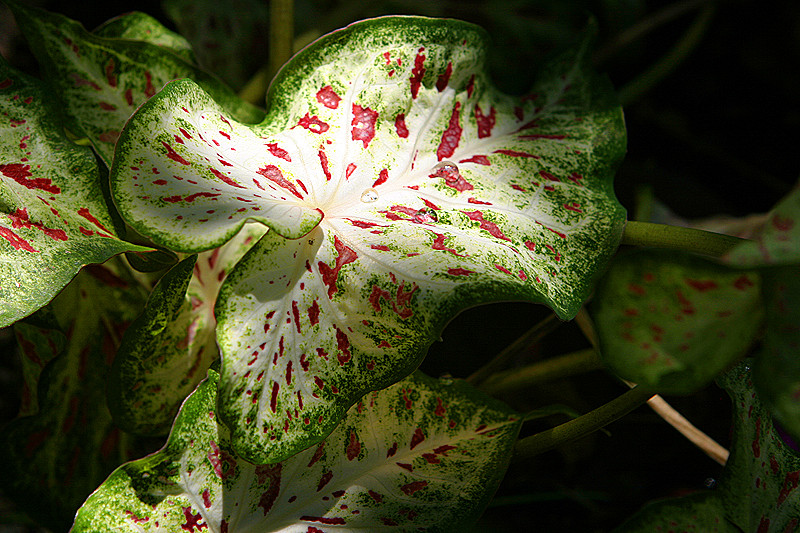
column 778, row 242
column 55, row 457
column 101, row 81
column 53, row 217
column 417, row 189
column 138, row 26
column 776, row 369
column 420, row 455
column 760, row 482
column 167, row 351
column 671, row 322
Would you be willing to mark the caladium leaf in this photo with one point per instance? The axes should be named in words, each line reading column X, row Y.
column 55, row 457
column 776, row 369
column 168, row 349
column 421, row 455
column 418, row 190
column 700, row 512
column 53, row 218
column 778, row 243
column 138, row 26
column 102, row 81
column 759, row 485
column 672, row 322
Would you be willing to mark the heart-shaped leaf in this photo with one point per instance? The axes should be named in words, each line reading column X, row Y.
column 420, row 455
column 101, row 81
column 778, row 243
column 53, row 217
column 54, row 458
column 776, row 369
column 138, row 26
column 168, row 349
column 671, row 322
column 427, row 191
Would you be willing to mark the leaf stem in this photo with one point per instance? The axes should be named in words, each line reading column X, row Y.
column 530, row 337
column 678, row 238
column 583, row 425
column 281, row 37
column 543, row 371
column 664, row 66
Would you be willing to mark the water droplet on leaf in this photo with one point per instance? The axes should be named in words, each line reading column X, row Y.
column 447, row 170
column 370, row 195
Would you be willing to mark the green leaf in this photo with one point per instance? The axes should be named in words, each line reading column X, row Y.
column 53, row 218
column 759, row 484
column 776, row 370
column 54, row 458
column 672, row 322
column 420, row 455
column 138, row 26
column 101, row 81
column 417, row 188
column 778, row 243
column 168, row 349
column 701, row 512
column 37, row 347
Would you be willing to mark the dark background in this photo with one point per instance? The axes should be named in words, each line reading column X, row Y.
column 716, row 136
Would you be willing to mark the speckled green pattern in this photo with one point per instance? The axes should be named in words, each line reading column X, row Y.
column 166, row 352
column 409, row 189
column 55, row 457
column 673, row 322
column 53, row 218
column 420, row 455
column 101, row 81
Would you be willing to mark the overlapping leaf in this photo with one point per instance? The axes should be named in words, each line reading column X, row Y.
column 53, row 217
column 167, row 351
column 138, row 26
column 55, row 457
column 417, row 189
column 776, row 369
column 758, row 488
column 778, row 243
column 420, row 455
column 37, row 347
column 101, row 81
column 674, row 322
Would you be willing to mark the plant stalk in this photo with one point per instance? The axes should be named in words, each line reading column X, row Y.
column 281, row 37
column 582, row 426
column 541, row 372
column 678, row 238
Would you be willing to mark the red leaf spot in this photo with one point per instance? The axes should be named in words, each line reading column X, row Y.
column 313, row 124
column 743, row 282
column 330, row 274
column 192, row 520
column 451, row 136
column 336, row 521
column 459, row 271
column 417, row 73
column 274, row 174
column 354, row 446
column 273, row 402
column 278, row 152
column 789, row 484
column 317, row 455
column 490, row 227
column 172, row 154
column 417, row 438
column 324, row 480
column 323, row 160
column 391, row 451
column 413, row 487
column 485, row 122
column 21, row 174
column 343, row 343
column 382, row 177
column 363, row 123
column 515, row 153
column 477, row 159
column 702, row 285
column 405, row 466
column 400, row 126
column 313, row 313
column 375, row 496
column 328, row 97
column 149, row 90
column 444, row 78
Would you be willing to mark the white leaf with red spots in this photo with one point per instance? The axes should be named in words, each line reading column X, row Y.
column 53, row 218
column 417, row 188
column 420, row 455
column 673, row 322
column 167, row 351
column 102, row 80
